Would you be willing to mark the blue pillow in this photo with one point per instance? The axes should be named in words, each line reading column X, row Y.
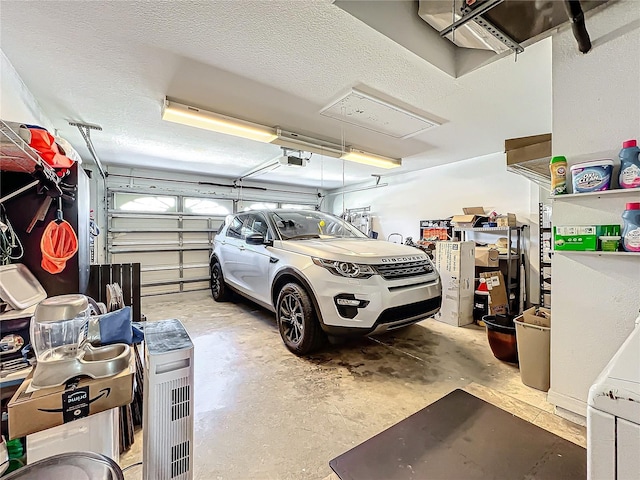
column 115, row 327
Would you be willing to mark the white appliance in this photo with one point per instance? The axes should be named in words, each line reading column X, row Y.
column 78, row 436
column 456, row 263
column 613, row 416
column 167, row 419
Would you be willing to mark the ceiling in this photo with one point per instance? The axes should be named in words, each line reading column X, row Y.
column 277, row 63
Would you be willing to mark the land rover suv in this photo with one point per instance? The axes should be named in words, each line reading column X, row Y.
column 321, row 276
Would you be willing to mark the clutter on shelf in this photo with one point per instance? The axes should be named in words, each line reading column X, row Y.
column 361, row 219
column 597, row 175
column 472, row 217
column 477, row 217
column 605, row 238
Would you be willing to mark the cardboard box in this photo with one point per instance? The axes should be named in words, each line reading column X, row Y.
column 473, row 216
column 524, row 149
column 455, row 262
column 33, row 411
column 508, row 220
column 529, row 316
column 498, row 299
column 487, row 257
column 581, row 238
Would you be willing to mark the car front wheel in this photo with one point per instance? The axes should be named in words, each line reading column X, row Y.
column 219, row 291
column 297, row 322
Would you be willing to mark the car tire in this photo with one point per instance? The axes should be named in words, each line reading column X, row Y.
column 219, row 290
column 297, row 320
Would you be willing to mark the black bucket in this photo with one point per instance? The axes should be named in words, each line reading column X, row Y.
column 501, row 333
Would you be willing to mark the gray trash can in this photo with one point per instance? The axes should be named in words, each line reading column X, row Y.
column 534, row 352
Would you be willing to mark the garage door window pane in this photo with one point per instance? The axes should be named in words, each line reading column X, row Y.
column 261, row 206
column 131, row 202
column 296, row 206
column 205, row 206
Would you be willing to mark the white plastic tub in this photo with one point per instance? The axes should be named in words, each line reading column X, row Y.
column 593, row 176
column 98, row 433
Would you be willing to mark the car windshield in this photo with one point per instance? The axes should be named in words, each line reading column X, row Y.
column 301, row 224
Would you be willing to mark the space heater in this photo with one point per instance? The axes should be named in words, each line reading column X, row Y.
column 167, row 419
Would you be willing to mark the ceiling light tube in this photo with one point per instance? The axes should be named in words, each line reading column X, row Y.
column 359, row 156
column 196, row 117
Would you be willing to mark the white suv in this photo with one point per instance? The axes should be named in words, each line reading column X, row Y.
column 320, row 275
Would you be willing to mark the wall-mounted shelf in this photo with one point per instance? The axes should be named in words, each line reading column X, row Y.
column 591, row 253
column 604, row 193
column 17, row 156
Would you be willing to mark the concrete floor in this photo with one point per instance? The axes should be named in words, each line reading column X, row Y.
column 263, row 413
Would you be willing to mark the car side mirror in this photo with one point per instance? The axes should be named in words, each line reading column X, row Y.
column 257, row 239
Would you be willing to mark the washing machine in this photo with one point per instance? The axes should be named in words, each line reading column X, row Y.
column 613, row 416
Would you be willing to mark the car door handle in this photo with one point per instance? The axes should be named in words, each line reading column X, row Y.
column 241, row 247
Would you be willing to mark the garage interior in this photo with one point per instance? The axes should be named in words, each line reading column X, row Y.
column 177, row 118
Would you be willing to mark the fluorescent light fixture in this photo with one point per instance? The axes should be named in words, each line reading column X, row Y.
column 196, row 117
column 359, row 156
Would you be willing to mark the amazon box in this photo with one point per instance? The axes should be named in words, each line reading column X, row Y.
column 33, row 410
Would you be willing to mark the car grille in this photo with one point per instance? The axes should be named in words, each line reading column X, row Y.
column 392, row 271
column 395, row 314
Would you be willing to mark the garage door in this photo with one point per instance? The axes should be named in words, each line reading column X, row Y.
column 171, row 236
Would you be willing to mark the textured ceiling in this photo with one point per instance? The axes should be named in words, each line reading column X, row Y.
column 275, row 63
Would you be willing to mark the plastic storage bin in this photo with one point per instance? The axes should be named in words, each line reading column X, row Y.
column 534, row 353
column 591, row 176
column 98, row 433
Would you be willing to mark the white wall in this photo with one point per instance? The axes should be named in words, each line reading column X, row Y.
column 442, row 191
column 596, row 105
column 17, row 104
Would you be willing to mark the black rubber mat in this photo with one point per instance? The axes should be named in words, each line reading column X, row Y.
column 462, row 437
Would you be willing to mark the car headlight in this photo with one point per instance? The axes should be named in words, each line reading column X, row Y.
column 345, row 269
